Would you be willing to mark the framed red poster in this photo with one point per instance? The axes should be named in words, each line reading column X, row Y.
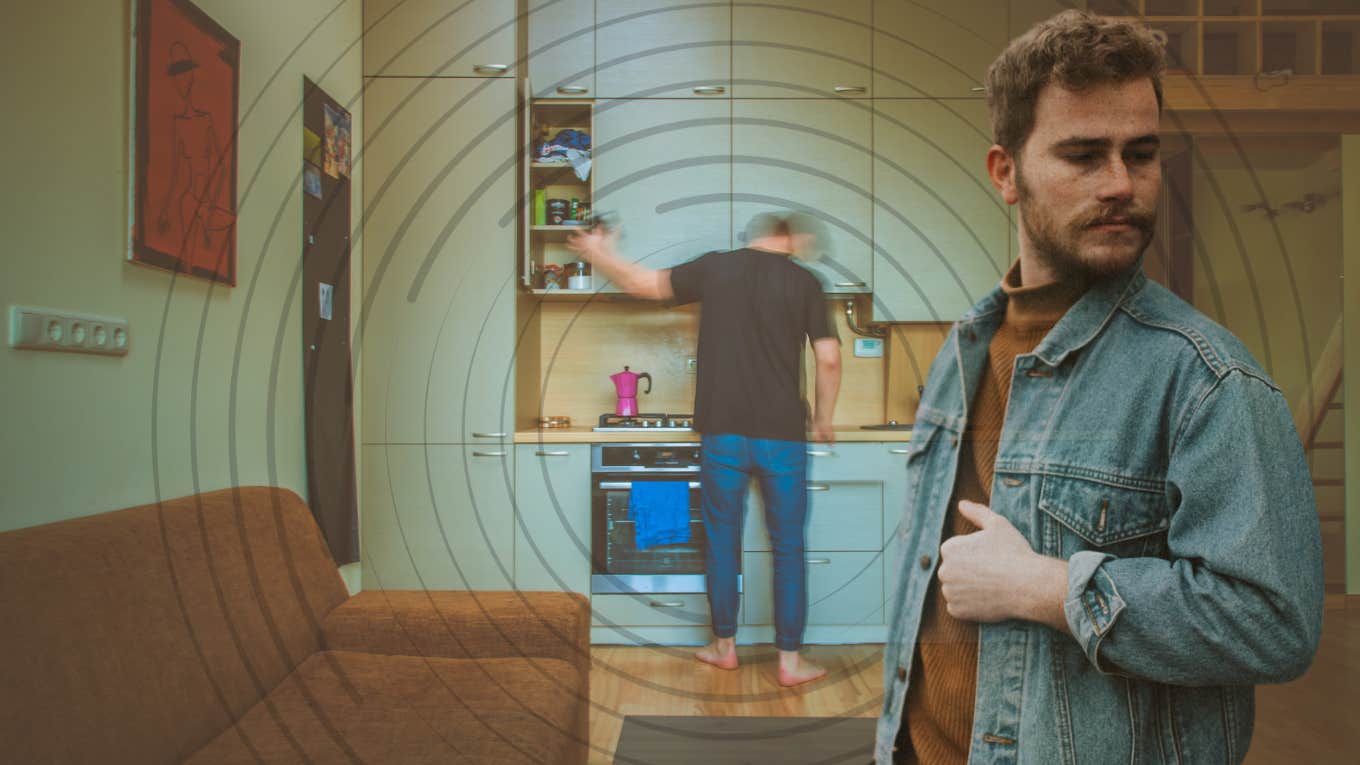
column 184, row 142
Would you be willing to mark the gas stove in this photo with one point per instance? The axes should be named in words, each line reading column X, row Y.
column 639, row 423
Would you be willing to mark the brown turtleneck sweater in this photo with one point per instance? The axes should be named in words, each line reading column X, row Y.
column 938, row 718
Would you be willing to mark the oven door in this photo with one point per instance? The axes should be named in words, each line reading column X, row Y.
column 617, row 565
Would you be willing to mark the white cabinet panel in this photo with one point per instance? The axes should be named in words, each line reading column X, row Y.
column 843, row 588
column 427, row 38
column 935, row 48
column 940, row 227
column 439, row 267
column 664, row 167
column 801, row 49
column 552, row 535
column 437, row 517
column 842, row 515
column 562, row 48
column 809, row 156
column 662, row 48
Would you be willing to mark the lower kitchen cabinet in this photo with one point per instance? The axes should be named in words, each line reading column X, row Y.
column 843, row 588
column 552, row 529
column 437, row 517
column 659, row 610
column 842, row 515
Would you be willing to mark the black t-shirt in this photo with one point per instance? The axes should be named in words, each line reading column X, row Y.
column 759, row 310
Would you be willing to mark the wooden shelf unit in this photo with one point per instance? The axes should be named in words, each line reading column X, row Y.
column 1251, row 37
column 545, row 243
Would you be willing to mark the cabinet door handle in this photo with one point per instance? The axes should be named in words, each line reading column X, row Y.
column 818, row 561
column 552, row 454
column 709, row 90
column 818, row 487
column 573, row 90
column 899, row 451
column 849, row 89
column 978, row 89
column 851, row 284
column 666, row 603
column 818, row 453
column 488, row 435
column 490, row 68
column 488, row 454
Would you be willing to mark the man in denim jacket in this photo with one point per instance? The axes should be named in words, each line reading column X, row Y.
column 1104, row 575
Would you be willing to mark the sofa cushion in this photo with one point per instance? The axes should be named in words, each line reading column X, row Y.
column 138, row 635
column 350, row 707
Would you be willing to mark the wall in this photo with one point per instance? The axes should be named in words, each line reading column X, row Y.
column 1350, row 152
column 210, row 394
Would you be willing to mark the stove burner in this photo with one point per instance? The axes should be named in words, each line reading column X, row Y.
column 640, row 422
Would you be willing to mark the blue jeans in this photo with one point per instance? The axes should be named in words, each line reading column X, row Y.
column 729, row 463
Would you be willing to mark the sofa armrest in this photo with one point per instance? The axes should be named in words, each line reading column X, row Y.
column 464, row 625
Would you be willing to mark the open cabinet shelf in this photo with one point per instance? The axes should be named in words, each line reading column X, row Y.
column 552, row 188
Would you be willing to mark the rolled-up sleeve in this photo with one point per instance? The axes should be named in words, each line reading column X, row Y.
column 1239, row 598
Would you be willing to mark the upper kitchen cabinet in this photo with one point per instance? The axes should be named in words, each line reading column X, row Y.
column 940, row 228
column 801, row 49
column 439, row 275
column 428, row 38
column 664, row 168
column 561, row 51
column 935, row 48
column 809, row 156
column 662, row 49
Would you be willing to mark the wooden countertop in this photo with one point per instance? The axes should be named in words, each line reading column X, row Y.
column 580, row 435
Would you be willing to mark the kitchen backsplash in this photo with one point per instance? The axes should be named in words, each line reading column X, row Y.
column 581, row 344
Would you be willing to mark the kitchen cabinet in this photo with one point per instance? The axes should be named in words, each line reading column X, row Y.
column 552, row 530
column 941, row 230
column 802, row 49
column 855, row 500
column 429, row 38
column 812, row 156
column 935, row 48
column 561, row 55
column 662, row 49
column 663, row 167
column 686, row 610
column 439, row 194
column 843, row 588
column 437, row 517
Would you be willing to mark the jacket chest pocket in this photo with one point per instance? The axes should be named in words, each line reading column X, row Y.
column 1091, row 515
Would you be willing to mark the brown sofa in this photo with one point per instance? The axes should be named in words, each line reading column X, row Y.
column 216, row 629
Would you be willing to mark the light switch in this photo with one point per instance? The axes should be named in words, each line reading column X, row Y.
column 869, row 347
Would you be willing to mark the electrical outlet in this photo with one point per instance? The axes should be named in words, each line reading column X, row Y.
column 692, row 365
column 47, row 330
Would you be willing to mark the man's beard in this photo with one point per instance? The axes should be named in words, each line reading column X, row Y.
column 1059, row 245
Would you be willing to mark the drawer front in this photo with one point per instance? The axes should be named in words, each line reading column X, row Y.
column 842, row 515
column 656, row 610
column 843, row 588
column 875, row 461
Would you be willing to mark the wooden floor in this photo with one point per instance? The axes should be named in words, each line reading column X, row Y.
column 1312, row 721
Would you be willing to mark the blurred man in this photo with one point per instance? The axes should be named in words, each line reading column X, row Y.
column 759, row 311
column 1130, row 539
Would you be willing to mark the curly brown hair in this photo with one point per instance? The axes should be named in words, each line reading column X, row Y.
column 1075, row 49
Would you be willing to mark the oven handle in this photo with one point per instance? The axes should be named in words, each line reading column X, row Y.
column 626, row 485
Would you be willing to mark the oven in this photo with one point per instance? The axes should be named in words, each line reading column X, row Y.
column 617, row 565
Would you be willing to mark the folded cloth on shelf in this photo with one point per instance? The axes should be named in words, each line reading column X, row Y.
column 660, row 512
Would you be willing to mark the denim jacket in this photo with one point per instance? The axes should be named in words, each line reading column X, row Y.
column 1144, row 445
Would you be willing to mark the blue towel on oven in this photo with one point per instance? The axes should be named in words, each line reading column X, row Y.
column 660, row 512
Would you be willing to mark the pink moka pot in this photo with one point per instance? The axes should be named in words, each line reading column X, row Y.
column 626, row 386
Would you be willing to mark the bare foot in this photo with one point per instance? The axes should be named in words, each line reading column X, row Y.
column 721, row 653
column 795, row 670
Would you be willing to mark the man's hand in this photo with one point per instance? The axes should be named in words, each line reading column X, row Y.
column 993, row 574
column 588, row 243
column 823, row 432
